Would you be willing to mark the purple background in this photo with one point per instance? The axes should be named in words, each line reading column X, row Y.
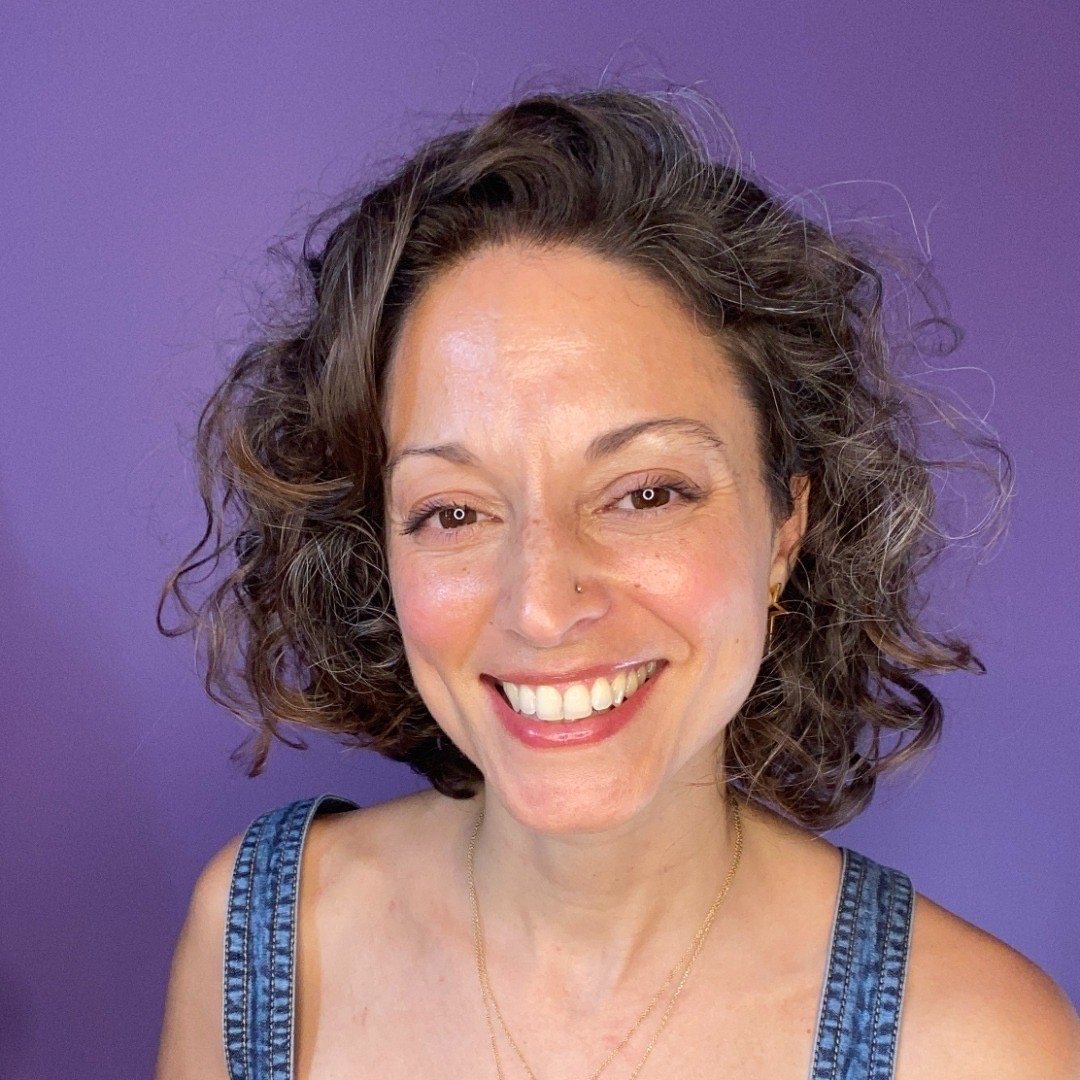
column 152, row 151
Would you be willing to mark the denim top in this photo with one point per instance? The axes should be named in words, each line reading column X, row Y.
column 861, row 996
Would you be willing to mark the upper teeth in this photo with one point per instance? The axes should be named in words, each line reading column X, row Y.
column 580, row 699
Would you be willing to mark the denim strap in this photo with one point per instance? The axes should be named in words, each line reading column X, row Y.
column 864, row 984
column 260, row 940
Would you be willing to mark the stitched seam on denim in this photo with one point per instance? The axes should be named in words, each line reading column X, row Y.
column 908, row 922
column 849, row 964
column 303, row 823
column 904, row 931
column 816, row 1062
column 255, row 834
column 825, row 983
column 289, row 1048
column 240, row 878
column 838, row 964
column 280, row 870
column 886, row 954
column 824, row 1054
column 316, row 803
column 295, row 833
column 246, row 966
column 273, row 841
column 279, row 873
column 227, row 961
column 275, row 877
column 239, row 875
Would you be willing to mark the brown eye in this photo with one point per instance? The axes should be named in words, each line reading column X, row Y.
column 650, row 497
column 452, row 517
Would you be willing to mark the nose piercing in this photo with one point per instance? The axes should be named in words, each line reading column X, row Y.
column 577, row 588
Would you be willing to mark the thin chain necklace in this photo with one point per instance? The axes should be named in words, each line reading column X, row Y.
column 687, row 958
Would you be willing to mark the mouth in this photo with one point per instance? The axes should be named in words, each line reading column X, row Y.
column 570, row 701
column 550, row 729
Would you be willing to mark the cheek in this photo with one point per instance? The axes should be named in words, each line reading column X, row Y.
column 706, row 581
column 710, row 591
column 440, row 605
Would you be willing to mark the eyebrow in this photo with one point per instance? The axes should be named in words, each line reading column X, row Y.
column 602, row 446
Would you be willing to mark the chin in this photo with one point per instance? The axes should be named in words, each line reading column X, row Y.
column 571, row 804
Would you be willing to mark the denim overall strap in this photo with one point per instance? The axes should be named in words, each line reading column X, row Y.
column 864, row 985
column 260, row 940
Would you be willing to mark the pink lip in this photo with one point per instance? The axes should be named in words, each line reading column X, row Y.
column 566, row 679
column 541, row 734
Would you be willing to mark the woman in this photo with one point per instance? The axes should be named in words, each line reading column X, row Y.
column 586, row 487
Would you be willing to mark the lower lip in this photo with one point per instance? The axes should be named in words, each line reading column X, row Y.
column 541, row 734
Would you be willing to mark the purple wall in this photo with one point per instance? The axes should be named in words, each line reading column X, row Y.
column 151, row 152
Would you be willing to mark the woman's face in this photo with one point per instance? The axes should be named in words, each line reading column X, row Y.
column 512, row 372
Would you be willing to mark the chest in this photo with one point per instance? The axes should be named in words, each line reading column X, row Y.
column 426, row 1018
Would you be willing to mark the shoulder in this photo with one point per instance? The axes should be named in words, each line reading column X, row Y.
column 346, row 855
column 384, row 860
column 371, row 900
column 975, row 1007
column 369, row 841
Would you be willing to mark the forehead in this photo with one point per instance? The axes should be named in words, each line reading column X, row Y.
column 518, row 336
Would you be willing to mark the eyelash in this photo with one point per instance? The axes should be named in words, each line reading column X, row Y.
column 427, row 510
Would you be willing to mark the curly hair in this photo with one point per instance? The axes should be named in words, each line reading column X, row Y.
column 291, row 446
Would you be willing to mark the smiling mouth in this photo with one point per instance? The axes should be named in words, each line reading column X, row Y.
column 578, row 701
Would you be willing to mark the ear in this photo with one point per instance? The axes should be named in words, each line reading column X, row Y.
column 789, row 536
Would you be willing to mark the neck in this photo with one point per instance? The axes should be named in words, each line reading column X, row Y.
column 578, row 915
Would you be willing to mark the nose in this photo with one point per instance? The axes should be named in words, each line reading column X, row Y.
column 538, row 600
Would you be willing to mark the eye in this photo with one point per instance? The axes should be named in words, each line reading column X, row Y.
column 656, row 495
column 651, row 498
column 452, row 517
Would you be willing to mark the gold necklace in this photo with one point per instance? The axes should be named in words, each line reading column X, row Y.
column 692, row 952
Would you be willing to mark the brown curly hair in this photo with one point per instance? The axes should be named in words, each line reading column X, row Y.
column 291, row 446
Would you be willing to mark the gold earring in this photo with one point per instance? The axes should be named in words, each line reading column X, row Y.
column 774, row 609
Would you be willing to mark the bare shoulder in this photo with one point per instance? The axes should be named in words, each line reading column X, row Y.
column 359, row 848
column 383, row 860
column 364, row 879
column 975, row 1007
column 347, row 857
